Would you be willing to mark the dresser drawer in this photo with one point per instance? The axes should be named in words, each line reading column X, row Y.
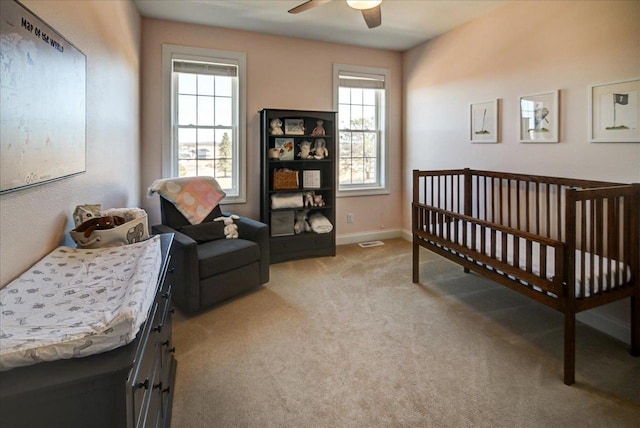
column 302, row 242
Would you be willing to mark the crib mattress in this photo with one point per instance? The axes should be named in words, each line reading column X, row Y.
column 596, row 273
column 78, row 302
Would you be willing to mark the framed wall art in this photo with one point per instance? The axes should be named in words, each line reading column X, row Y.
column 539, row 115
column 43, row 98
column 614, row 112
column 483, row 122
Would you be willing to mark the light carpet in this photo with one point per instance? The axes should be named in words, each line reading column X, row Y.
column 350, row 341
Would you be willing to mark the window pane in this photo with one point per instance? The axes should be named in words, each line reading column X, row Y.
column 369, row 97
column 356, row 117
column 344, row 95
column 187, row 168
column 205, row 167
column 224, row 86
column 205, row 84
column 224, row 115
column 224, row 143
column 345, row 170
column 205, row 111
column 357, row 144
column 186, row 83
column 357, row 171
column 186, row 143
column 370, row 144
column 356, row 96
column 344, row 115
column 370, row 172
column 186, row 110
column 345, row 145
column 369, row 117
column 205, row 143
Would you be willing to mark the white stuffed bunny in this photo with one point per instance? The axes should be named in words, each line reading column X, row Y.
column 230, row 229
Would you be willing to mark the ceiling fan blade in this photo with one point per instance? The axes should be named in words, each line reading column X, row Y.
column 308, row 5
column 373, row 16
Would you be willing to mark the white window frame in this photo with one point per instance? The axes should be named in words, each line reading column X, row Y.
column 169, row 140
column 382, row 181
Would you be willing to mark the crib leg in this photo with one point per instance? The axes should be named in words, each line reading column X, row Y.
column 635, row 326
column 569, row 347
column 416, row 261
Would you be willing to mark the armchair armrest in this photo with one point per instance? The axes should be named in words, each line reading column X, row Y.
column 185, row 280
column 257, row 232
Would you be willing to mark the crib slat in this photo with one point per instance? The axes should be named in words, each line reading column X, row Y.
column 543, row 261
column 529, row 256
column 548, row 225
column 537, row 208
column 493, row 243
column 583, row 239
column 500, row 188
column 592, row 243
column 527, row 208
column 600, row 240
column 516, row 251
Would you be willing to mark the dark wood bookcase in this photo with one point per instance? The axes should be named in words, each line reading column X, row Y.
column 297, row 127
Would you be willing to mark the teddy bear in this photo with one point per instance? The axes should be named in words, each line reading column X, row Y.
column 230, row 229
column 319, row 129
column 301, row 224
column 276, row 127
column 318, row 201
column 305, row 150
column 320, row 150
column 308, row 199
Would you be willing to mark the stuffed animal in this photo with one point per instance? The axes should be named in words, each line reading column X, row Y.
column 320, row 150
column 230, row 229
column 83, row 213
column 319, row 129
column 99, row 223
column 318, row 201
column 308, row 199
column 305, row 150
column 301, row 224
column 276, row 127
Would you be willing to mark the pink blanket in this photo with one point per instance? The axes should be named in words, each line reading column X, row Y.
column 194, row 197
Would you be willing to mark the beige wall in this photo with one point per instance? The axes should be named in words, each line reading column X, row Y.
column 282, row 72
column 35, row 220
column 523, row 48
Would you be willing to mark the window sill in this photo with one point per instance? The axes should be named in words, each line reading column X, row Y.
column 362, row 192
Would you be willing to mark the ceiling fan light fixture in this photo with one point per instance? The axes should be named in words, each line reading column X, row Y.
column 363, row 4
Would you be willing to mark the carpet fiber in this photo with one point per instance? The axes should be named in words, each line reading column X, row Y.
column 350, row 341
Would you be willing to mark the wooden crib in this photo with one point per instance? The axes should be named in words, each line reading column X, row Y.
column 567, row 243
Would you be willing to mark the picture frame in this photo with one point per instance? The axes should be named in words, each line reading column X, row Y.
column 286, row 146
column 483, row 122
column 311, row 179
column 614, row 112
column 539, row 116
column 294, row 126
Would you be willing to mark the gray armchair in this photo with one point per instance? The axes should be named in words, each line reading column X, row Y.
column 209, row 268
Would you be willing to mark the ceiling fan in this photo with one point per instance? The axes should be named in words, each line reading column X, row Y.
column 370, row 9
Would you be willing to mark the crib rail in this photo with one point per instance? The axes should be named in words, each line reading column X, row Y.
column 484, row 245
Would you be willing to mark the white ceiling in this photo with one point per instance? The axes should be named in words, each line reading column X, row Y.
column 405, row 23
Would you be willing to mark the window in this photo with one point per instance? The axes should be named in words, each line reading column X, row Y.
column 204, row 129
column 360, row 95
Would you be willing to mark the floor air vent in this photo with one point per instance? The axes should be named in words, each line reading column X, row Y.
column 371, row 244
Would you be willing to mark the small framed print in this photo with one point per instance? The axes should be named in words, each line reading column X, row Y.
column 483, row 121
column 311, row 179
column 614, row 112
column 285, row 146
column 294, row 126
column 539, row 118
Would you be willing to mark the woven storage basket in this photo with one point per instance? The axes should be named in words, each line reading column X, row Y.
column 283, row 180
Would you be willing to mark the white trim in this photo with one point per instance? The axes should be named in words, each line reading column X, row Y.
column 375, row 72
column 170, row 52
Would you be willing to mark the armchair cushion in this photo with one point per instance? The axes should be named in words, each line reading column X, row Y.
column 204, row 232
column 224, row 255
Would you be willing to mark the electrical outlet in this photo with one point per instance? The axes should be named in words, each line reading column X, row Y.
column 350, row 218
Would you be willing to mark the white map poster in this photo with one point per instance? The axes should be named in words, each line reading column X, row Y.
column 42, row 101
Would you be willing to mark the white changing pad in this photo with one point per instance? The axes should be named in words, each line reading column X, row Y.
column 78, row 302
column 616, row 267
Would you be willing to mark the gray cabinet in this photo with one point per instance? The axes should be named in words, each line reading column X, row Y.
column 131, row 386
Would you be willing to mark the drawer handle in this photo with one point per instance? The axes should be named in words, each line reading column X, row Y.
column 158, row 328
column 144, row 384
column 172, row 311
column 171, row 269
column 158, row 386
column 167, row 389
column 172, row 350
column 165, row 343
column 166, row 295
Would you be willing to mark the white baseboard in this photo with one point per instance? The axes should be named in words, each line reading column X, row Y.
column 612, row 327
